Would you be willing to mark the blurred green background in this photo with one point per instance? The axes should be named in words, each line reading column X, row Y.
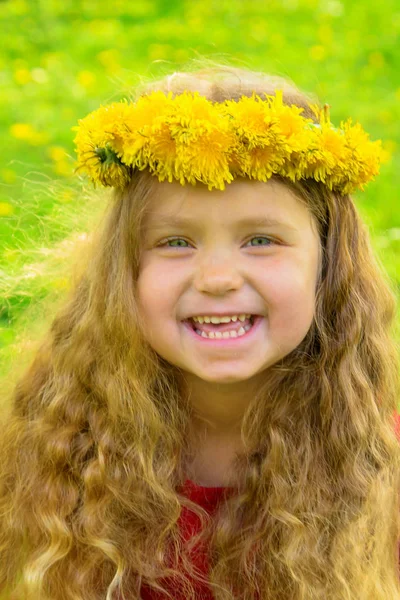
column 61, row 60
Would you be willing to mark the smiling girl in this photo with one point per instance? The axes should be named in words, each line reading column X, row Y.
column 212, row 413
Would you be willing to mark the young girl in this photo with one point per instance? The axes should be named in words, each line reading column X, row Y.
column 212, row 414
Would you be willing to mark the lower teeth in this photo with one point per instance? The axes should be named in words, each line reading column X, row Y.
column 225, row 334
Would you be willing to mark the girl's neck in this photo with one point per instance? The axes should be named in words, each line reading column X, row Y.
column 212, row 462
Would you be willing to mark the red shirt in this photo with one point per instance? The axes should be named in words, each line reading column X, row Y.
column 189, row 524
column 208, row 498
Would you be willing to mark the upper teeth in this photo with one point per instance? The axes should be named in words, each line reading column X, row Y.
column 221, row 319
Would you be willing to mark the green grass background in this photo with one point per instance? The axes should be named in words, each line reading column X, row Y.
column 61, row 60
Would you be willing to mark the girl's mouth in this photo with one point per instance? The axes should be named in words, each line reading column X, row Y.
column 240, row 334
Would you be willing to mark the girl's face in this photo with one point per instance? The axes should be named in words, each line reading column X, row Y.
column 222, row 261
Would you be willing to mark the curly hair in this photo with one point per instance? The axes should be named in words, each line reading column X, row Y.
column 95, row 446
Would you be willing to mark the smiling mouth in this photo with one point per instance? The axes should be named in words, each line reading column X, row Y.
column 225, row 331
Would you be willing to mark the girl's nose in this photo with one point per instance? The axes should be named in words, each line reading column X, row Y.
column 218, row 279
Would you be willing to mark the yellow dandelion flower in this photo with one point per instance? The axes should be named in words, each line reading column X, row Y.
column 317, row 159
column 294, row 168
column 306, row 154
column 333, row 143
column 115, row 175
column 189, row 138
column 135, row 132
column 289, row 122
column 292, row 127
column 193, row 145
column 104, row 166
column 206, row 159
column 317, row 166
column 160, row 153
column 268, row 133
column 362, row 160
column 371, row 157
column 192, row 117
column 333, row 154
column 193, row 107
column 251, row 121
column 96, row 135
column 317, row 110
column 101, row 126
column 260, row 164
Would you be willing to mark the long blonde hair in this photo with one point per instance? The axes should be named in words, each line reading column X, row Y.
column 95, row 446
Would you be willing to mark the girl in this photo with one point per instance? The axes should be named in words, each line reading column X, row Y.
column 212, row 414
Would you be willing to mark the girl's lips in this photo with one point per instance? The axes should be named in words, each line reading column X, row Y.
column 229, row 342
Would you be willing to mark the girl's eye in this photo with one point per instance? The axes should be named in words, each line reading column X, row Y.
column 258, row 237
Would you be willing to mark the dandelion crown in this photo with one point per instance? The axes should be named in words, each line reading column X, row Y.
column 189, row 138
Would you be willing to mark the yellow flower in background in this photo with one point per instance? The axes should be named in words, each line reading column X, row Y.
column 8, row 175
column 325, row 33
column 19, row 7
column 22, row 131
column 110, row 60
column 317, row 53
column 62, row 167
column 27, row 133
column 22, row 76
column 60, row 157
column 87, row 79
column 57, row 153
column 6, row 209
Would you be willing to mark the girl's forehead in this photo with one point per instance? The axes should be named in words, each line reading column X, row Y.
column 247, row 202
column 242, row 204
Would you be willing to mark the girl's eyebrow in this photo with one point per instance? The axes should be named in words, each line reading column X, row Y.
column 182, row 222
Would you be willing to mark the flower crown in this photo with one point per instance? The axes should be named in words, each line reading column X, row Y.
column 188, row 138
